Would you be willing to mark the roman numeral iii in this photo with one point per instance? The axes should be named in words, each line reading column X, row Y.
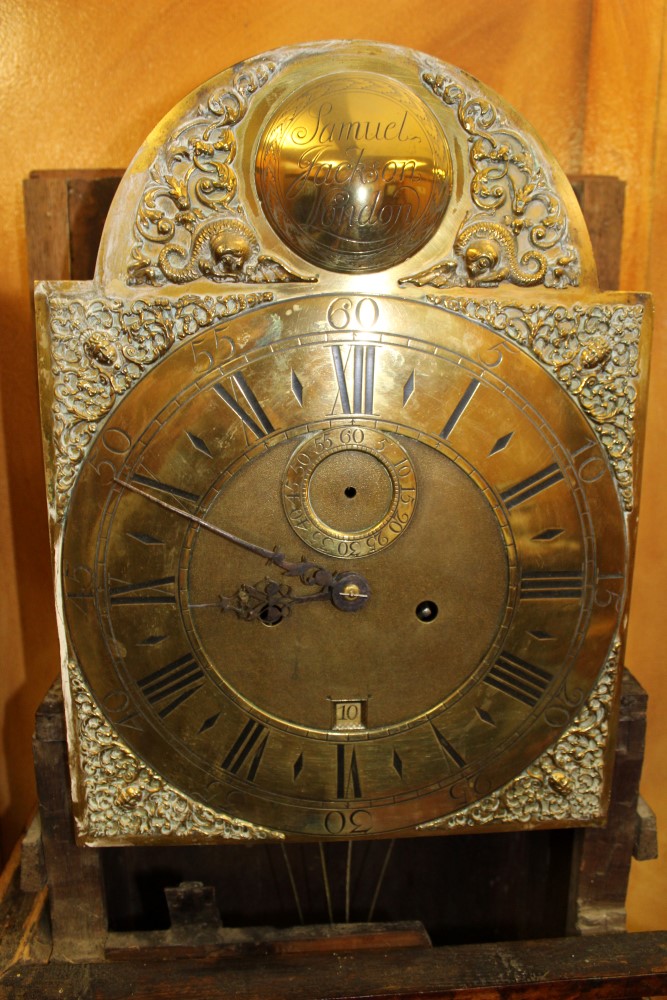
column 556, row 585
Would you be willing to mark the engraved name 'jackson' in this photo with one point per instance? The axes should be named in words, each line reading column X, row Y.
column 354, row 189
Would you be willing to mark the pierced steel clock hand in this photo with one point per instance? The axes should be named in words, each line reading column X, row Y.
column 270, row 602
column 347, row 591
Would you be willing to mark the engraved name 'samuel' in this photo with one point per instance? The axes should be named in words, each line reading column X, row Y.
column 356, row 189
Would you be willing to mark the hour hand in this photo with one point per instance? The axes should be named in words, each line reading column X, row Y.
column 270, row 602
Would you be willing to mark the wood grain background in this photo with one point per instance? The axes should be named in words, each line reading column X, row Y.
column 81, row 85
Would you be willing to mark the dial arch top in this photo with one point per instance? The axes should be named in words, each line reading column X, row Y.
column 350, row 158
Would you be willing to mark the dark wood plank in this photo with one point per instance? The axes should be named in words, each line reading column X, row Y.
column 23, row 929
column 47, row 227
column 88, row 204
column 65, row 211
column 603, row 856
column 234, row 942
column 602, row 201
column 608, row 967
column 74, row 878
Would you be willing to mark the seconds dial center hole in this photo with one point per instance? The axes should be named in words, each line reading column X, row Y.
column 350, row 492
column 426, row 611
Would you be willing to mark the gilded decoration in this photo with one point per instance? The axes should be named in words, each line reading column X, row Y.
column 124, row 798
column 517, row 231
column 566, row 782
column 592, row 349
column 354, row 172
column 188, row 225
column 101, row 347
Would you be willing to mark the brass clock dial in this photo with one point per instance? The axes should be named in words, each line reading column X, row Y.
column 348, row 579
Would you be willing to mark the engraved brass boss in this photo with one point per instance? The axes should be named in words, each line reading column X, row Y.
column 354, row 172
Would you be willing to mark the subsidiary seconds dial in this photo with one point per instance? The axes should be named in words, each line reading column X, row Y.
column 344, row 581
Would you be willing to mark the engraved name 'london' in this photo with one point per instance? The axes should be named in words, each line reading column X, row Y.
column 339, row 206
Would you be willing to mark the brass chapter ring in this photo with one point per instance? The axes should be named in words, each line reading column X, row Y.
column 349, row 491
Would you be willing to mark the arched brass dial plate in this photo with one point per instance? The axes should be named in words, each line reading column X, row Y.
column 218, row 628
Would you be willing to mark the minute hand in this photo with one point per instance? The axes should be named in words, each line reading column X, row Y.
column 308, row 572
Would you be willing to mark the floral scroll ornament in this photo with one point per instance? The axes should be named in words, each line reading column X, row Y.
column 593, row 350
column 188, row 225
column 123, row 797
column 517, row 232
column 101, row 347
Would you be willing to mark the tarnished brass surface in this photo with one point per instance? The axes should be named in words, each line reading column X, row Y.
column 354, row 172
column 350, row 492
column 350, row 555
column 462, row 683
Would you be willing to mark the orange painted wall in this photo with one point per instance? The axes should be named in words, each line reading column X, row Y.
column 81, row 84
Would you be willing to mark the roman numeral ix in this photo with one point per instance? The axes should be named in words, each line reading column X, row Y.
column 145, row 592
column 161, row 487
